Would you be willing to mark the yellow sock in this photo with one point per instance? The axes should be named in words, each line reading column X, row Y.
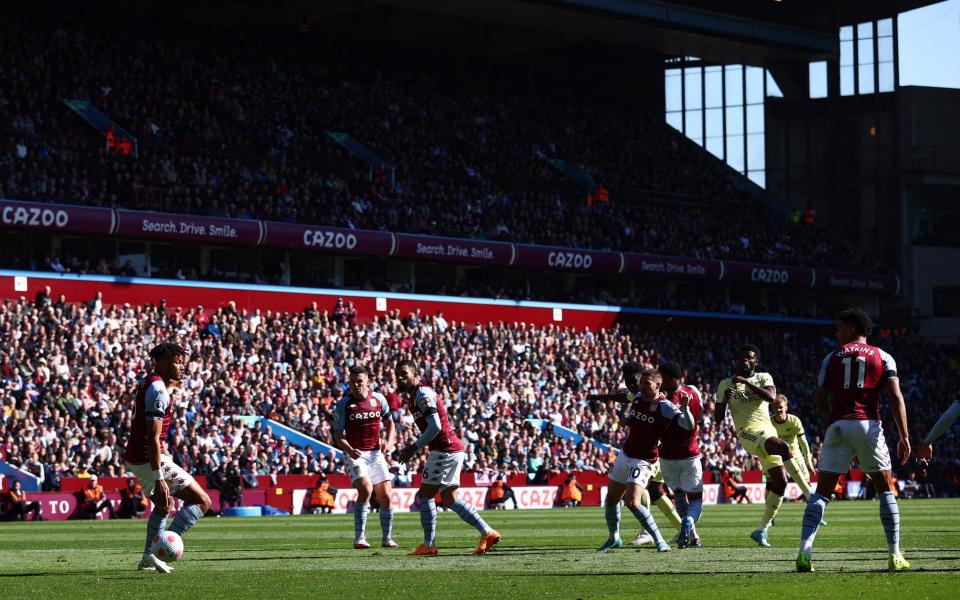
column 668, row 509
column 773, row 505
column 645, row 499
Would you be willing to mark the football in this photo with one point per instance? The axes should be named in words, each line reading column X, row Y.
column 168, row 546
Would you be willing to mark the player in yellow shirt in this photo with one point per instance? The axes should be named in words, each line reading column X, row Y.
column 748, row 395
column 790, row 429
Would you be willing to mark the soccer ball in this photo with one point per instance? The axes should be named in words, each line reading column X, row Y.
column 167, row 546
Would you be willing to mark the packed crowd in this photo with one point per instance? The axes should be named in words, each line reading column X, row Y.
column 68, row 372
column 233, row 121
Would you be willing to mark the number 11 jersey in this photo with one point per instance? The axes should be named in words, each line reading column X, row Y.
column 853, row 373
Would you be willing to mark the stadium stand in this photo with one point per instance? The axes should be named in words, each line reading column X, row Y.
column 234, row 121
column 67, row 372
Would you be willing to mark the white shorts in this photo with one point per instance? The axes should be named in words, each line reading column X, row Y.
column 443, row 468
column 632, row 471
column 683, row 474
column 177, row 479
column 854, row 438
column 371, row 465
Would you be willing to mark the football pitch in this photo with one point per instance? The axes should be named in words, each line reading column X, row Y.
column 544, row 554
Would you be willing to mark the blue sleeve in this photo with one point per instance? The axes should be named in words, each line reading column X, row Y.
column 341, row 421
column 669, row 410
column 432, row 430
column 683, row 419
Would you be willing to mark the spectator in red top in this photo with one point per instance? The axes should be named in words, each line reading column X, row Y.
column 201, row 318
column 339, row 311
column 351, row 314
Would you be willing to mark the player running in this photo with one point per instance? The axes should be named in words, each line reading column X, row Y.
column 748, row 394
column 943, row 424
column 649, row 415
column 159, row 477
column 356, row 431
column 680, row 454
column 848, row 396
column 442, row 473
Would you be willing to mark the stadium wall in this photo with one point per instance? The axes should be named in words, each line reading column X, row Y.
column 210, row 295
column 62, row 505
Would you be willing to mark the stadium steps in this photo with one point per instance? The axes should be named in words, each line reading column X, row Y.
column 116, row 136
column 356, row 148
column 573, row 173
column 567, row 433
column 278, row 430
column 27, row 480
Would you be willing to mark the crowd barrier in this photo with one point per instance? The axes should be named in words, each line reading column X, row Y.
column 291, row 492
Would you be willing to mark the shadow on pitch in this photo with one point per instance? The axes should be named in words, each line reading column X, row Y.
column 39, row 574
column 731, row 572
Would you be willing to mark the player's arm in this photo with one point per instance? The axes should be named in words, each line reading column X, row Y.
column 389, row 428
column 683, row 417
column 767, row 393
column 822, row 396
column 943, row 424
column 724, row 396
column 804, row 447
column 890, row 384
column 621, row 398
column 161, row 493
column 338, row 427
column 427, row 403
column 891, row 387
column 155, row 402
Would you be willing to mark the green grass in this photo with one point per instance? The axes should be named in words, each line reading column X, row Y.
column 544, row 554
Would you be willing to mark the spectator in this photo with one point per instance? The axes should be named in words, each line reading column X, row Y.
column 498, row 494
column 17, row 506
column 733, row 490
column 132, row 501
column 321, row 498
column 571, row 492
column 94, row 500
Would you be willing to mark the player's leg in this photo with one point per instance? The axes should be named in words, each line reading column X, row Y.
column 361, row 508
column 835, row 456
column 488, row 536
column 871, row 449
column 662, row 501
column 196, row 503
column 611, row 509
column 157, row 520
column 640, row 512
column 801, row 476
column 380, row 477
column 772, row 452
column 428, row 519
column 776, row 487
column 689, row 482
column 813, row 515
column 890, row 517
column 384, row 494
